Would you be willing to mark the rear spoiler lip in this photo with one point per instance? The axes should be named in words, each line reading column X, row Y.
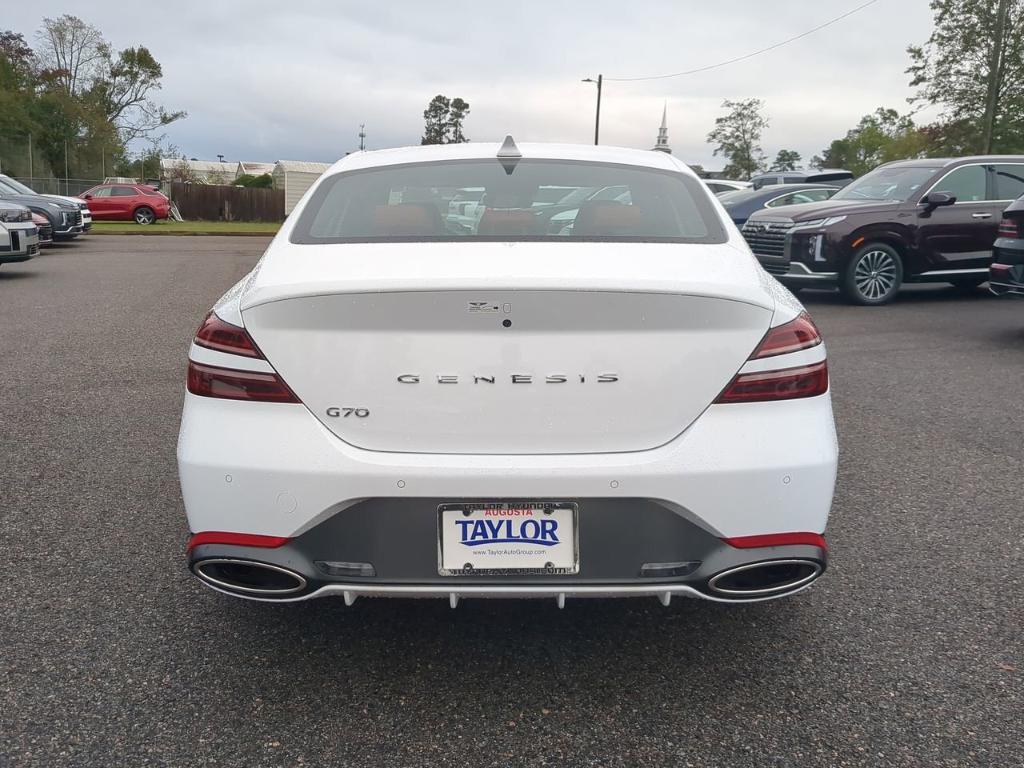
column 269, row 295
column 724, row 271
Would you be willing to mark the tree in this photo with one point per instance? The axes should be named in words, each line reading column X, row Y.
column 263, row 181
column 786, row 160
column 435, row 120
column 880, row 137
column 78, row 64
column 74, row 52
column 737, row 137
column 442, row 121
column 456, row 117
column 123, row 94
column 972, row 66
column 16, row 53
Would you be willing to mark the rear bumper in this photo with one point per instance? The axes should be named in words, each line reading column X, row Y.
column 1006, row 274
column 275, row 470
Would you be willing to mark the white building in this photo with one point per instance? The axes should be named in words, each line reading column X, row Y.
column 254, row 169
column 199, row 171
column 295, row 177
column 661, row 143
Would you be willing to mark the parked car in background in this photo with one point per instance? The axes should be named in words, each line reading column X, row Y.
column 18, row 188
column 1006, row 275
column 65, row 218
column 927, row 220
column 836, row 176
column 127, row 202
column 740, row 204
column 44, row 228
column 19, row 238
column 721, row 186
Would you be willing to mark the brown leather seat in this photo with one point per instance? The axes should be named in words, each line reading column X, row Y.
column 407, row 219
column 607, row 218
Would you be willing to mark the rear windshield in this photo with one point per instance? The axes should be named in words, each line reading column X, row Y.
column 537, row 200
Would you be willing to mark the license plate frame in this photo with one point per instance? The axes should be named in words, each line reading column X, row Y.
column 534, row 556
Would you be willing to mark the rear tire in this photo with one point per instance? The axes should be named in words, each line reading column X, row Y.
column 873, row 276
column 144, row 216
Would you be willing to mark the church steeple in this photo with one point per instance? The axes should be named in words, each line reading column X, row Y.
column 662, row 143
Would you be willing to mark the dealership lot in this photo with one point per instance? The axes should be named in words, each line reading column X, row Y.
column 908, row 652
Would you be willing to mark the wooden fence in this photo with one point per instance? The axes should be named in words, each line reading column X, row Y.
column 208, row 202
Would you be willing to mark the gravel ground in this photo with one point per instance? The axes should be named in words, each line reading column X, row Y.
column 908, row 653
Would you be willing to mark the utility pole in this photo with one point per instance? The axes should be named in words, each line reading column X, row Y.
column 66, row 173
column 597, row 117
column 362, row 136
column 996, row 72
column 30, row 174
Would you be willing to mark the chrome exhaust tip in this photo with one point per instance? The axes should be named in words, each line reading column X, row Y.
column 769, row 578
column 248, row 577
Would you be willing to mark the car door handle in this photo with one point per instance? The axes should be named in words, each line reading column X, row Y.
column 981, row 215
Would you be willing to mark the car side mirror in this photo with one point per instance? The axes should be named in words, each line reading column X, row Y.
column 935, row 200
column 87, row 197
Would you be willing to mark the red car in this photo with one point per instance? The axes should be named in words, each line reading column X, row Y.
column 127, row 202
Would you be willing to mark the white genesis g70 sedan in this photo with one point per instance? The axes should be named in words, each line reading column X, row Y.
column 588, row 387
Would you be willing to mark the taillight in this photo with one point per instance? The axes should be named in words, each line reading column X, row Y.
column 786, row 384
column 1009, row 228
column 233, row 383
column 217, row 334
column 795, row 335
column 808, row 380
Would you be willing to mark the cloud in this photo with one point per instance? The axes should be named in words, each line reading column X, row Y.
column 270, row 80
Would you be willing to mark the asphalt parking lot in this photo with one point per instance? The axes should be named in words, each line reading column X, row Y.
column 910, row 652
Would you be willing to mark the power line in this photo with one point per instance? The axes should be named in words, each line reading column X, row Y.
column 829, row 23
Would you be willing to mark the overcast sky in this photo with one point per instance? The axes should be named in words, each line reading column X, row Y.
column 293, row 80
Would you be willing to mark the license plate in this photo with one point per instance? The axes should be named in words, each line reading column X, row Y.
column 507, row 538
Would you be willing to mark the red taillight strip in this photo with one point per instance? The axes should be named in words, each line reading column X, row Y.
column 235, row 540
column 797, row 334
column 233, row 384
column 787, row 384
column 777, row 540
column 999, row 271
column 1010, row 228
column 222, row 336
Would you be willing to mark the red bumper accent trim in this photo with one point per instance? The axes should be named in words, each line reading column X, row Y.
column 777, row 540
column 235, row 539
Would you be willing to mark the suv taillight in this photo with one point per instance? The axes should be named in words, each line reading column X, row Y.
column 806, row 380
column 233, row 383
column 1009, row 228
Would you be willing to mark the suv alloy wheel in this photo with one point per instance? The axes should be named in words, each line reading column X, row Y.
column 144, row 215
column 873, row 276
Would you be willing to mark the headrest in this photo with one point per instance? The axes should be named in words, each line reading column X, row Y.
column 407, row 219
column 607, row 218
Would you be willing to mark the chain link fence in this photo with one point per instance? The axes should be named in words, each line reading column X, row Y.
column 54, row 186
column 74, row 169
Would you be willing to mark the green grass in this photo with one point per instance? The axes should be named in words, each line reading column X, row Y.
column 186, row 228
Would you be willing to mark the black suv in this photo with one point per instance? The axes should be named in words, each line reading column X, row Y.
column 910, row 221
